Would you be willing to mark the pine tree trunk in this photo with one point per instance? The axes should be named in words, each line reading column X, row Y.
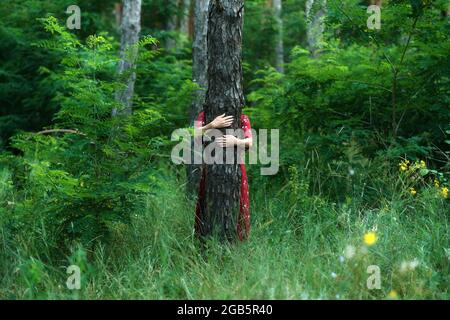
column 130, row 28
column 279, row 48
column 315, row 14
column 199, row 76
column 224, row 95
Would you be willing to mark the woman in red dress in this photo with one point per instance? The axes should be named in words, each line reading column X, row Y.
column 227, row 141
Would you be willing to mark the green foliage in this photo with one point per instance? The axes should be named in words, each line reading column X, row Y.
column 364, row 130
column 356, row 109
column 26, row 92
column 300, row 248
column 81, row 183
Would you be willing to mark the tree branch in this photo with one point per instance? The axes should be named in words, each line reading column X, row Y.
column 61, row 131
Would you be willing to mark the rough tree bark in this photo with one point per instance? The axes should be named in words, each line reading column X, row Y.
column 224, row 95
column 315, row 13
column 199, row 76
column 279, row 47
column 130, row 28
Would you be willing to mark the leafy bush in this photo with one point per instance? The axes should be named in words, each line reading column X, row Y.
column 357, row 109
column 89, row 171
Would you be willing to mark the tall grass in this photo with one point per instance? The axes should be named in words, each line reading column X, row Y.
column 301, row 247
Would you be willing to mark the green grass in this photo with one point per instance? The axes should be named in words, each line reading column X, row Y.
column 293, row 253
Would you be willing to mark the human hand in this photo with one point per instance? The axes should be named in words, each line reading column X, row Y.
column 227, row 141
column 222, row 122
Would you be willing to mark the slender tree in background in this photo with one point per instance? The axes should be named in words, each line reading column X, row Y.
column 315, row 12
column 224, row 95
column 118, row 7
column 178, row 21
column 171, row 24
column 200, row 55
column 199, row 76
column 279, row 47
column 185, row 23
column 130, row 28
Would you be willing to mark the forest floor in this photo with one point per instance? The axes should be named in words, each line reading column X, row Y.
column 306, row 249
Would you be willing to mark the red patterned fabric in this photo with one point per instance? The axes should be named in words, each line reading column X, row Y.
column 243, row 221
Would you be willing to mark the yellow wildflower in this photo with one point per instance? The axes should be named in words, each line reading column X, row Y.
column 370, row 238
column 404, row 165
column 436, row 183
column 393, row 294
column 423, row 165
column 444, row 192
column 412, row 191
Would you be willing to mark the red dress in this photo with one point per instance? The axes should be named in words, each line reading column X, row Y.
column 243, row 221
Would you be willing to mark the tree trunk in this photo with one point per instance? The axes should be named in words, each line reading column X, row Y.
column 279, row 48
column 118, row 8
column 315, row 15
column 185, row 21
column 224, row 95
column 199, row 76
column 130, row 28
column 376, row 2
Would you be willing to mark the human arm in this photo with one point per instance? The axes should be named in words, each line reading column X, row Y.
column 219, row 122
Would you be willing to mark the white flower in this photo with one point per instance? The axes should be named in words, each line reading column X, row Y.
column 341, row 259
column 333, row 275
column 413, row 264
column 304, row 296
column 349, row 252
column 406, row 266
